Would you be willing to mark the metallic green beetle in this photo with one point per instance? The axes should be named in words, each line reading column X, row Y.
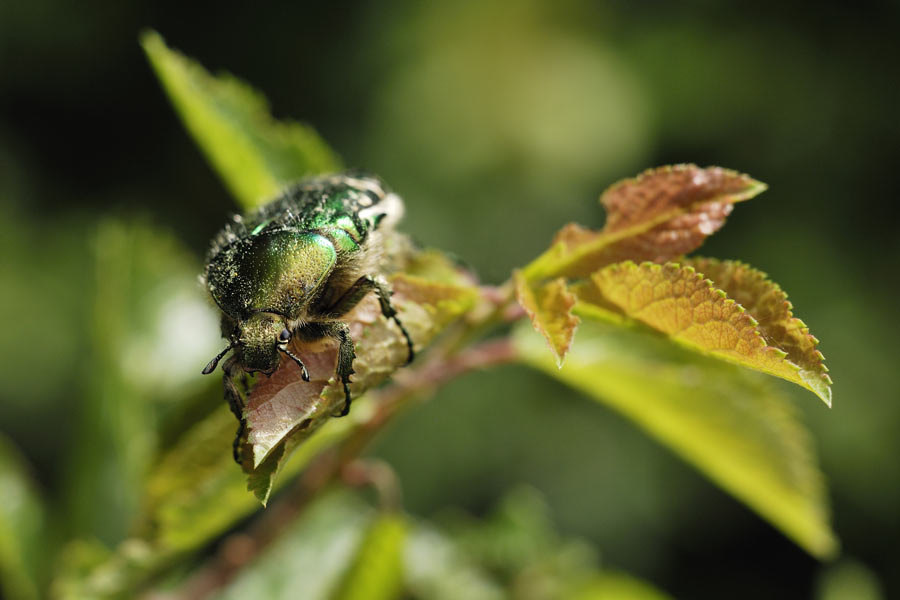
column 292, row 268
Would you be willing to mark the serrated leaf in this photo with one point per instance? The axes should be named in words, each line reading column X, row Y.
column 724, row 420
column 659, row 215
column 682, row 304
column 255, row 155
column 23, row 536
column 284, row 411
column 768, row 304
column 549, row 306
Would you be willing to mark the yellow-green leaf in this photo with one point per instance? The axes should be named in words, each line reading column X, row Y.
column 724, row 420
column 659, row 215
column 682, row 304
column 768, row 304
column 255, row 155
column 549, row 306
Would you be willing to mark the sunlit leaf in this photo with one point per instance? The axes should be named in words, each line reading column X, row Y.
column 549, row 306
column 255, row 155
column 768, row 304
column 682, row 304
column 724, row 420
column 659, row 215
column 23, row 536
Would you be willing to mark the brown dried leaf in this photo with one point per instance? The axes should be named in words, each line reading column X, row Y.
column 659, row 215
column 549, row 306
column 283, row 411
column 659, row 195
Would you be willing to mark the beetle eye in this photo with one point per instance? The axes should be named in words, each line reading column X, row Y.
column 284, row 336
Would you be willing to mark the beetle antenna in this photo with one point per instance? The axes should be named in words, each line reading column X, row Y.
column 214, row 362
column 304, row 373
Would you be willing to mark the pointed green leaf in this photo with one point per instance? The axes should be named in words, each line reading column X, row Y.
column 255, row 155
column 549, row 306
column 680, row 303
column 722, row 419
column 659, row 215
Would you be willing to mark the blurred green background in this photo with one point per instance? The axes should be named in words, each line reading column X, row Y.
column 498, row 122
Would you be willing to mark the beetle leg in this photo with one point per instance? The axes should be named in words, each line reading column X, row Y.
column 357, row 292
column 346, row 353
column 384, row 292
column 348, row 301
column 236, row 404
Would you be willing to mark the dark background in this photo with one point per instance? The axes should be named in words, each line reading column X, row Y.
column 499, row 122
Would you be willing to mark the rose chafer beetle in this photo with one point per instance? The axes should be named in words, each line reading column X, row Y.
column 292, row 269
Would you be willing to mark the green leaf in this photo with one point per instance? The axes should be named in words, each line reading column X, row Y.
column 196, row 492
column 314, row 555
column 23, row 534
column 437, row 569
column 722, row 419
column 659, row 215
column 283, row 411
column 549, row 306
column 680, row 303
column 150, row 327
column 255, row 155
column 377, row 570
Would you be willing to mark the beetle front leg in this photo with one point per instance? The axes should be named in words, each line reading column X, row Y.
column 346, row 352
column 235, row 403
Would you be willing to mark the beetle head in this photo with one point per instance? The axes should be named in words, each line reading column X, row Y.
column 259, row 338
column 257, row 341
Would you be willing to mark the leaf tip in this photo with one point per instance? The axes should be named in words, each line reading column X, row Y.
column 754, row 189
